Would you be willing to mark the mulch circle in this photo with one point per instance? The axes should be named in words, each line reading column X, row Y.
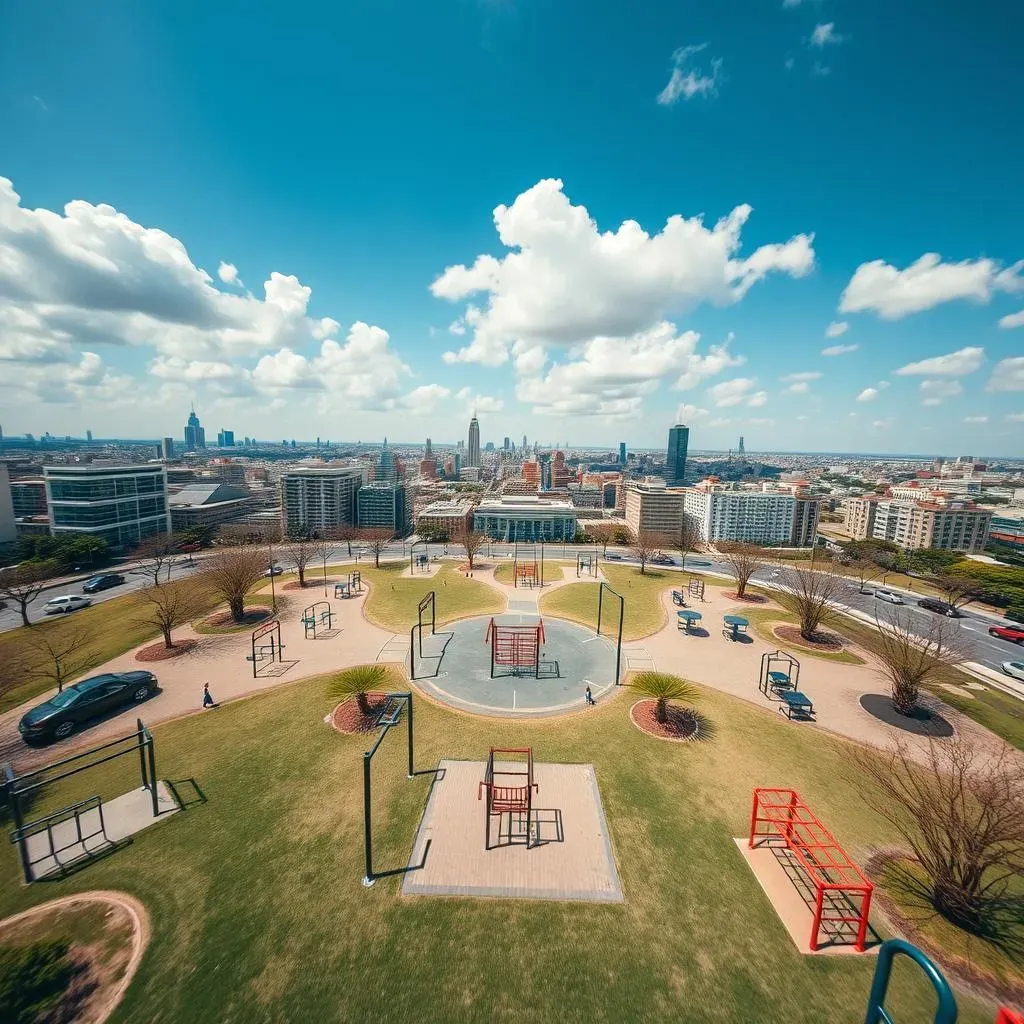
column 158, row 652
column 310, row 584
column 748, row 598
column 680, row 727
column 347, row 717
column 251, row 617
column 827, row 642
column 923, row 722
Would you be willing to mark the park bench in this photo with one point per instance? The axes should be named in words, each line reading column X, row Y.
column 795, row 702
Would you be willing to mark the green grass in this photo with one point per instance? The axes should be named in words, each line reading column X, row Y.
column 552, row 570
column 762, row 620
column 258, row 913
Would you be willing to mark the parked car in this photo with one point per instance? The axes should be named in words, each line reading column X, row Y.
column 660, row 559
column 933, row 604
column 67, row 603
column 1014, row 669
column 888, row 595
column 102, row 582
column 273, row 570
column 1015, row 634
column 612, row 557
column 59, row 716
column 699, row 561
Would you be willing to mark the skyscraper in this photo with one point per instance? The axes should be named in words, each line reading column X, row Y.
column 428, row 453
column 622, row 453
column 473, row 450
column 167, row 448
column 675, row 460
column 88, row 435
column 741, row 450
column 195, row 435
column 507, row 444
column 386, row 467
column 226, row 438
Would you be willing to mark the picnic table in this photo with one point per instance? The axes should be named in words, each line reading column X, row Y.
column 736, row 624
column 796, row 703
column 685, row 619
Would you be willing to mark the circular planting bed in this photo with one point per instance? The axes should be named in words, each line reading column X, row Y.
column 101, row 936
column 160, row 652
column 747, row 598
column 310, row 584
column 349, row 718
column 923, row 722
column 827, row 643
column 681, row 724
column 223, row 620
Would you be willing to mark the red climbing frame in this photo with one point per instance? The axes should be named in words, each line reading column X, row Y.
column 515, row 646
column 843, row 893
column 509, row 791
column 1009, row 1017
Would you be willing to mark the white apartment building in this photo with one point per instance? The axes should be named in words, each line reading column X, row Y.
column 653, row 507
column 526, row 517
column 8, row 532
column 120, row 504
column 951, row 526
column 320, row 499
column 755, row 517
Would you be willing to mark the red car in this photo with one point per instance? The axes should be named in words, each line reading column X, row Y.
column 1015, row 634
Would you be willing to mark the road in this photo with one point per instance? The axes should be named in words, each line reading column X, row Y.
column 985, row 650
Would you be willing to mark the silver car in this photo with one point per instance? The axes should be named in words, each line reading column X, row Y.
column 1014, row 669
column 888, row 595
column 65, row 604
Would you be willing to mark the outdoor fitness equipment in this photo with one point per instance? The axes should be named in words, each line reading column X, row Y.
column 842, row 892
column 695, row 588
column 586, row 563
column 390, row 714
column 779, row 671
column 419, row 561
column 509, row 791
column 317, row 614
column 516, row 646
column 274, row 650
column 353, row 585
column 429, row 600
column 84, row 843
column 622, row 614
column 526, row 571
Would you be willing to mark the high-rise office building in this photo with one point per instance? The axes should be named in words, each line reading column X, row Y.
column 88, row 435
column 384, row 504
column 167, row 448
column 195, row 435
column 675, row 460
column 741, row 450
column 8, row 531
column 524, row 442
column 319, row 499
column 622, row 453
column 429, row 452
column 225, row 438
column 507, row 444
column 387, row 468
column 473, row 450
column 121, row 504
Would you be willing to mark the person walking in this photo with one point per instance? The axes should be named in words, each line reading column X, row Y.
column 208, row 701
column 590, row 697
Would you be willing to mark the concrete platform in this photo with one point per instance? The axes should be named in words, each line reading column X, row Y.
column 455, row 668
column 570, row 857
column 122, row 817
column 792, row 897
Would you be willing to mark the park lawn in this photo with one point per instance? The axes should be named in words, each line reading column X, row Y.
column 762, row 620
column 552, row 570
column 258, row 911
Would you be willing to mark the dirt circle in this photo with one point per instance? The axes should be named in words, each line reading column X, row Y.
column 158, row 652
column 828, row 643
column 310, row 584
column 100, row 983
column 747, row 598
column 678, row 729
column 348, row 719
column 252, row 617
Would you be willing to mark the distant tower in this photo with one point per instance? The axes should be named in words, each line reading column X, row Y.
column 195, row 435
column 524, row 442
column 386, row 467
column 622, row 453
column 675, row 459
column 473, row 449
column 741, row 451
column 88, row 435
column 429, row 452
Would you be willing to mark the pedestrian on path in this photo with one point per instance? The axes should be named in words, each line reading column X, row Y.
column 208, row 701
column 590, row 697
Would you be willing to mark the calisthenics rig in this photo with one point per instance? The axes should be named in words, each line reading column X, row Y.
column 516, row 647
column 509, row 788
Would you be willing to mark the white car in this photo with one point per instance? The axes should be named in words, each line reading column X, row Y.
column 1014, row 668
column 274, row 570
column 68, row 603
column 888, row 595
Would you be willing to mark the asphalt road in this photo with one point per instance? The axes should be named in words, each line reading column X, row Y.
column 985, row 649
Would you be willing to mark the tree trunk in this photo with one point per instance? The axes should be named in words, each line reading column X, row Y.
column 661, row 711
column 741, row 587
column 302, row 575
column 237, row 606
column 376, row 558
column 957, row 904
column 23, row 608
column 471, row 562
column 363, row 703
column 904, row 697
column 167, row 637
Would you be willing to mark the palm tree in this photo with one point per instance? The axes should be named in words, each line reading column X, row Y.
column 663, row 687
column 357, row 682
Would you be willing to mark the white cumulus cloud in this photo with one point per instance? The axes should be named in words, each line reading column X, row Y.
column 868, row 395
column 825, row 35
column 1008, row 375
column 975, row 419
column 836, row 329
column 839, row 350
column 1015, row 417
column 687, row 81
column 882, row 288
column 1012, row 320
column 935, row 391
column 735, row 392
column 228, row 273
column 479, row 404
column 953, row 364
column 565, row 282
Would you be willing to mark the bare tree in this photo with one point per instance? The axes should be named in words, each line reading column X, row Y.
column 910, row 658
column 863, row 570
column 690, row 537
column 156, row 553
column 963, row 818
column 744, row 560
column 170, row 606
column 957, row 589
column 59, row 652
column 472, row 541
column 302, row 551
column 812, row 596
column 231, row 574
column 22, row 584
column 643, row 544
column 603, row 534
column 346, row 534
column 376, row 539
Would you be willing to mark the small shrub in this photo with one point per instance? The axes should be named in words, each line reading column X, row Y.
column 32, row 980
column 357, row 682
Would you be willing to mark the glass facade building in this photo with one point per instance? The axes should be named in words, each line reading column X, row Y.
column 675, row 459
column 525, row 518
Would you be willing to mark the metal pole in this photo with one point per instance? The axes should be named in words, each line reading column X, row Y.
column 152, row 777
column 600, row 600
column 368, row 878
column 412, row 652
column 618, row 648
column 411, row 769
column 142, row 753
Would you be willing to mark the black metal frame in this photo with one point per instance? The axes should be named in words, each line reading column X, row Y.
column 580, row 555
column 622, row 614
column 430, row 598
column 792, row 671
column 309, row 618
column 412, row 558
column 16, row 788
column 540, row 565
column 390, row 716
column 271, row 628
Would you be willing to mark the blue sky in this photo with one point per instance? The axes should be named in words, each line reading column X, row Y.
column 350, row 154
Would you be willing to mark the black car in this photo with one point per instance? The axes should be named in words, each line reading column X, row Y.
column 66, row 711
column 104, row 582
column 933, row 604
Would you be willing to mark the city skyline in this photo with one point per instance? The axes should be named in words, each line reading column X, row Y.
column 564, row 288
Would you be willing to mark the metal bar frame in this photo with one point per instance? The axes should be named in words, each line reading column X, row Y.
column 945, row 1011
column 602, row 587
